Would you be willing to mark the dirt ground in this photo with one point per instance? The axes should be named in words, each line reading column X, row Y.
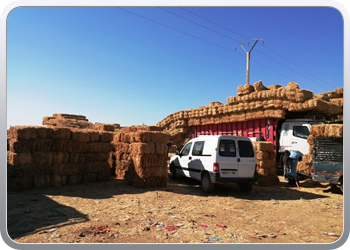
column 114, row 212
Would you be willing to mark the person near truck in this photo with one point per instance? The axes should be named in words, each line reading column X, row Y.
column 292, row 175
column 286, row 163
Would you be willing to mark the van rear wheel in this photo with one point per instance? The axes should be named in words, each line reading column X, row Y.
column 245, row 187
column 207, row 185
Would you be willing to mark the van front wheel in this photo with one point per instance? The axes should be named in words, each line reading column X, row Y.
column 207, row 184
column 245, row 187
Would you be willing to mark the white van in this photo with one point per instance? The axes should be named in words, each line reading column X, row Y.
column 215, row 159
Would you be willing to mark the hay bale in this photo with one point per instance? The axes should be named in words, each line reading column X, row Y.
column 106, row 136
column 333, row 130
column 15, row 159
column 60, row 157
column 274, row 87
column 95, row 167
column 94, row 136
column 62, row 133
column 149, row 136
column 121, row 146
column 266, row 163
column 23, row 146
column 303, row 167
column 144, row 161
column 263, row 171
column 89, row 177
column 245, row 89
column 44, row 132
column 97, row 157
column 275, row 113
column 74, row 179
column 303, row 95
column 292, row 86
column 310, row 139
column 70, row 146
column 317, row 130
column 22, row 132
column 258, row 86
column 42, row 158
column 142, row 148
column 76, row 157
column 263, row 146
column 105, row 127
column 41, row 145
column 98, row 147
column 337, row 101
column 41, row 181
column 79, row 135
column 58, row 180
column 339, row 91
column 20, row 184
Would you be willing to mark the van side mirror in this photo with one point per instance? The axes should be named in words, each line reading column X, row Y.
column 177, row 152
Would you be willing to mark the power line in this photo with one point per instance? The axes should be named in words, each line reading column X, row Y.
column 259, row 51
column 207, row 40
column 175, row 29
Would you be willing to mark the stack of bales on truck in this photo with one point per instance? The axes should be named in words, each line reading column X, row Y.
column 276, row 114
column 324, row 162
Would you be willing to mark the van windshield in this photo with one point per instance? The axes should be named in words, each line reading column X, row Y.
column 227, row 148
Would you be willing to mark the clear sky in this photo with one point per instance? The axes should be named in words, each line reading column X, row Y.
column 133, row 65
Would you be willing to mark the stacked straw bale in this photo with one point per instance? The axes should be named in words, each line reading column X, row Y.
column 266, row 155
column 324, row 130
column 255, row 102
column 42, row 157
column 107, row 127
column 141, row 156
column 67, row 121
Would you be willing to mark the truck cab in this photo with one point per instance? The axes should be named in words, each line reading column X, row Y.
column 294, row 133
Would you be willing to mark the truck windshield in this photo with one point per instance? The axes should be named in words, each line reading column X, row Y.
column 301, row 131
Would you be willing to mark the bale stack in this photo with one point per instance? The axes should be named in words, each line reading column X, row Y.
column 254, row 102
column 67, row 121
column 266, row 155
column 96, row 159
column 42, row 157
column 324, row 130
column 141, row 156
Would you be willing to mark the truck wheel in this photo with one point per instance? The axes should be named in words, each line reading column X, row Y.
column 245, row 187
column 173, row 171
column 206, row 183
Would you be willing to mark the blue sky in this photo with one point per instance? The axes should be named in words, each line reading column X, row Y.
column 139, row 64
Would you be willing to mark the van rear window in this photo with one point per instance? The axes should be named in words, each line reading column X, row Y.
column 245, row 149
column 227, row 148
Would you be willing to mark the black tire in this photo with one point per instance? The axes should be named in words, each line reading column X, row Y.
column 341, row 186
column 245, row 187
column 173, row 171
column 206, row 183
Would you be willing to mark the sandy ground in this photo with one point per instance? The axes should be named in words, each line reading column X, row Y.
column 114, row 212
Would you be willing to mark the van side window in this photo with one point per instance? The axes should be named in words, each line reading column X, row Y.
column 227, row 148
column 245, row 149
column 301, row 131
column 186, row 150
column 198, row 148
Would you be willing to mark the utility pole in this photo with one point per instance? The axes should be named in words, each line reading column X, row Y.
column 248, row 55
